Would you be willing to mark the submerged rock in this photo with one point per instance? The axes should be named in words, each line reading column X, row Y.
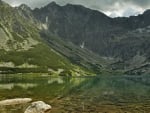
column 38, row 107
column 15, row 101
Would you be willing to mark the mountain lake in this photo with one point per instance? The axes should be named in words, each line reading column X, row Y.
column 100, row 94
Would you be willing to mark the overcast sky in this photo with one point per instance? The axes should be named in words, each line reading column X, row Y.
column 112, row 8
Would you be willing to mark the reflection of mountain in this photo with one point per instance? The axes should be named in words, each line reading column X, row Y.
column 116, row 93
column 13, row 85
column 55, row 80
column 114, row 89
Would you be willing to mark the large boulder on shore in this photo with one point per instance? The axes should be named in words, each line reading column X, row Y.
column 38, row 107
column 16, row 101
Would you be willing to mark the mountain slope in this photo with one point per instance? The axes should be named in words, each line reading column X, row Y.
column 23, row 50
column 73, row 37
column 76, row 24
column 122, row 39
column 76, row 54
column 82, row 25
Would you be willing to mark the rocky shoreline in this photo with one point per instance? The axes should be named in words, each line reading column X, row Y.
column 22, row 103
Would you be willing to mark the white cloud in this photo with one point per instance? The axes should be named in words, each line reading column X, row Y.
column 130, row 10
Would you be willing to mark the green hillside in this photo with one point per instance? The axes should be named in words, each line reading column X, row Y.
column 23, row 50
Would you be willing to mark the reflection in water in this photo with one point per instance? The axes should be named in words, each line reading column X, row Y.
column 6, row 86
column 114, row 93
column 21, row 85
column 55, row 80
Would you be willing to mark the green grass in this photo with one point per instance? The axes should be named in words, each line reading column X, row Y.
column 40, row 55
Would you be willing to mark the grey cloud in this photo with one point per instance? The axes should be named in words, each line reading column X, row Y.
column 31, row 3
column 142, row 3
column 101, row 5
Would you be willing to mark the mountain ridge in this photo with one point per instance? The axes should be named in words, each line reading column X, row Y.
column 84, row 33
column 98, row 32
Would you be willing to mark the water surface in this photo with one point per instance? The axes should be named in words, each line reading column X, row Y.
column 101, row 94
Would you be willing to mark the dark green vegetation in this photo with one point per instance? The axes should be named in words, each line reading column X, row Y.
column 111, row 94
column 40, row 55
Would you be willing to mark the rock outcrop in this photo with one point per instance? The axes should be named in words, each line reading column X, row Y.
column 38, row 107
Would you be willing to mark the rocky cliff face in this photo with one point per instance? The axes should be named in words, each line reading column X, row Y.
column 77, row 24
column 82, row 25
column 119, row 38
